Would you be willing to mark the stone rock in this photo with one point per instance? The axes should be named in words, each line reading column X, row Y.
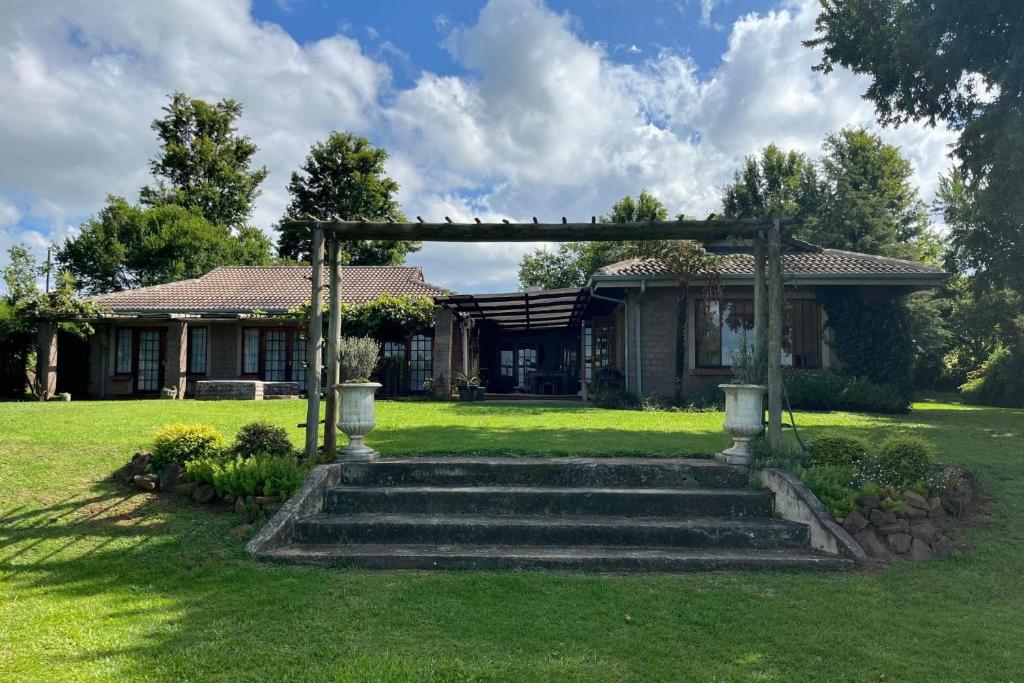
column 137, row 465
column 909, row 511
column 185, row 489
column 915, row 500
column 882, row 518
column 919, row 551
column 146, row 482
column 172, row 477
column 240, row 505
column 266, row 500
column 854, row 522
column 935, row 507
column 204, row 493
column 902, row 526
column 229, row 499
column 270, row 507
column 923, row 530
column 943, row 547
column 954, row 505
column 868, row 502
column 872, row 544
column 899, row 542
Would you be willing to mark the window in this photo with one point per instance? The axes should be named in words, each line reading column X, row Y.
column 723, row 327
column 527, row 365
column 588, row 350
column 197, row 350
column 251, row 351
column 275, row 364
column 603, row 341
column 507, row 363
column 123, row 351
column 421, row 361
column 299, row 358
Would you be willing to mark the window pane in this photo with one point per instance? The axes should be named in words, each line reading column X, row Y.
column 148, row 376
column 507, row 364
column 274, row 359
column 527, row 364
column 737, row 328
column 123, row 351
column 299, row 358
column 197, row 347
column 604, row 345
column 421, row 361
column 708, row 334
column 588, row 350
column 251, row 351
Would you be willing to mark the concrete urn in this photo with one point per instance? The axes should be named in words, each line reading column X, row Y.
column 357, row 420
column 744, row 419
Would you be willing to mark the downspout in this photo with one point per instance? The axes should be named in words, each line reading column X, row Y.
column 639, row 356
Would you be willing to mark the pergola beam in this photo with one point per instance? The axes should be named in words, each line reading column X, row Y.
column 713, row 228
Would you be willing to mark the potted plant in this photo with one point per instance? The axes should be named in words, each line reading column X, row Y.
column 481, row 390
column 467, row 386
column 744, row 406
column 357, row 358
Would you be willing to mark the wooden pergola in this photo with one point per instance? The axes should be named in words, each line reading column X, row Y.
column 766, row 234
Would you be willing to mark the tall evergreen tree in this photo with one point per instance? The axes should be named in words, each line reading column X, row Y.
column 345, row 176
column 203, row 164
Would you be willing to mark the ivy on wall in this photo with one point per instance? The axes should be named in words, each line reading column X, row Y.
column 871, row 336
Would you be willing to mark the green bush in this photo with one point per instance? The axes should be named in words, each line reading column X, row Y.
column 761, row 454
column 616, row 399
column 835, row 449
column 357, row 358
column 259, row 475
column 999, row 381
column 181, row 443
column 833, row 485
column 902, row 460
column 830, row 391
column 262, row 437
column 200, row 470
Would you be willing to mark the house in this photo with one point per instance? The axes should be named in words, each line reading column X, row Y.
column 212, row 336
column 627, row 318
column 225, row 334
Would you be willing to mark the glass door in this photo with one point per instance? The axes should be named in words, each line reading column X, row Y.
column 149, row 361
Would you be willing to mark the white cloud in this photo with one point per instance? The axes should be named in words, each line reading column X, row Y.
column 539, row 123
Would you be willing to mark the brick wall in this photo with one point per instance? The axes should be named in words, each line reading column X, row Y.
column 657, row 310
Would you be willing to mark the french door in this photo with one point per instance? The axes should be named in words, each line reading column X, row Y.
column 148, row 371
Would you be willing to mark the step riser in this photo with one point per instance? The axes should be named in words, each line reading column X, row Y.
column 617, row 565
column 526, row 502
column 453, row 532
column 596, row 475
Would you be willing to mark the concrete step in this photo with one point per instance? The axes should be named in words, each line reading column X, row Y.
column 537, row 500
column 369, row 528
column 584, row 558
column 574, row 472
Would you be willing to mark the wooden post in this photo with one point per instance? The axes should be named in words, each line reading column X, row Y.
column 760, row 307
column 776, row 304
column 333, row 335
column 313, row 346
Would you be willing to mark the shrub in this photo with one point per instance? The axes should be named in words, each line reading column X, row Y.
column 998, row 382
column 357, row 358
column 616, row 399
column 761, row 455
column 833, row 485
column 181, row 443
column 260, row 475
column 262, row 437
column 835, row 449
column 200, row 470
column 829, row 391
column 902, row 460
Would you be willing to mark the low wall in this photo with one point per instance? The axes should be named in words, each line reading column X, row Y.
column 307, row 501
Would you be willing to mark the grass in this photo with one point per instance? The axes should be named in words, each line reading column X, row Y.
column 101, row 583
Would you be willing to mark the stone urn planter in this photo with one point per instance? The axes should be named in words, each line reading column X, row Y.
column 744, row 419
column 357, row 420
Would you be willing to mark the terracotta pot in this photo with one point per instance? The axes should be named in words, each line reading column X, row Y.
column 744, row 419
column 357, row 420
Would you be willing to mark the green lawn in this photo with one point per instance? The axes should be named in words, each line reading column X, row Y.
column 101, row 583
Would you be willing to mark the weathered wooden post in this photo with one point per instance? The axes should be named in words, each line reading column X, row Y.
column 776, row 304
column 314, row 345
column 760, row 306
column 333, row 335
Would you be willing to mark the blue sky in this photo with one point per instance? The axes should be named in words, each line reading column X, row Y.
column 503, row 108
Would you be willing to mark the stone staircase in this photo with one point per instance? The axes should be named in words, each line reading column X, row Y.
column 586, row 514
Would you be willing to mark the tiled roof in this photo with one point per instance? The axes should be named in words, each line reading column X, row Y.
column 826, row 263
column 273, row 289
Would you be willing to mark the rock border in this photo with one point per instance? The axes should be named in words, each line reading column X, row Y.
column 797, row 503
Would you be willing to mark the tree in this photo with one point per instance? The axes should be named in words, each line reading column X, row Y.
column 775, row 184
column 959, row 63
column 20, row 274
column 572, row 264
column 204, row 165
column 345, row 176
column 130, row 246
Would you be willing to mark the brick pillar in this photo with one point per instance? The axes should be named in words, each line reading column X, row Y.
column 442, row 357
column 46, row 359
column 176, row 364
